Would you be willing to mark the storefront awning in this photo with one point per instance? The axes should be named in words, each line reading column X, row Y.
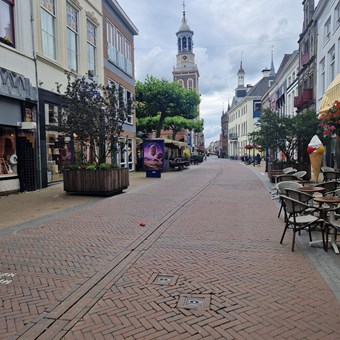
column 331, row 95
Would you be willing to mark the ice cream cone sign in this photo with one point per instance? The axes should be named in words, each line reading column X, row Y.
column 315, row 150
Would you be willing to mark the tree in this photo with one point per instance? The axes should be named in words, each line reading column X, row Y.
column 94, row 115
column 177, row 123
column 161, row 98
column 285, row 133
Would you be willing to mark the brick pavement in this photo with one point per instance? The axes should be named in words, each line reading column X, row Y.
column 92, row 273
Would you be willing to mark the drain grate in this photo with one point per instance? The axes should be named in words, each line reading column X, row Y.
column 194, row 302
column 163, row 279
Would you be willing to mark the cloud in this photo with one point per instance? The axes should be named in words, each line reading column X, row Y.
column 223, row 30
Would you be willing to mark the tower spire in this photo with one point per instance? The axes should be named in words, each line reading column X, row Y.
column 272, row 68
column 184, row 20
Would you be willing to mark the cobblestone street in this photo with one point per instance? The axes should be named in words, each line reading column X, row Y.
column 207, row 264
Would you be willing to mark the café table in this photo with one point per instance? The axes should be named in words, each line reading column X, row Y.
column 330, row 202
column 311, row 189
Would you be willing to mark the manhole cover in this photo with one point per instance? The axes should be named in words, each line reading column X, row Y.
column 163, row 279
column 194, row 301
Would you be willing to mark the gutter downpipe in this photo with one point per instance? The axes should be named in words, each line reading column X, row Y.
column 37, row 87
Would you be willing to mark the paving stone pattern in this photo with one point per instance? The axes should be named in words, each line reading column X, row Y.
column 213, row 230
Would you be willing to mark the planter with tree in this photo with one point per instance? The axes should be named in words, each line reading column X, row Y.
column 93, row 116
column 290, row 136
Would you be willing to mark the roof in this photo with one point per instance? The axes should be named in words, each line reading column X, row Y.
column 260, row 88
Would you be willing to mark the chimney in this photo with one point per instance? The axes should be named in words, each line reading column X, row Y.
column 265, row 72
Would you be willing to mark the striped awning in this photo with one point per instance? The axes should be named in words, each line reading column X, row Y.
column 331, row 95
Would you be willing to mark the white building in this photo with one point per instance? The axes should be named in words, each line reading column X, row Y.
column 19, row 140
column 327, row 16
column 245, row 110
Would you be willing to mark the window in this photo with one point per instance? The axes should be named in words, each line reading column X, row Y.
column 72, row 37
column 337, row 16
column 129, row 111
column 6, row 22
column 91, row 48
column 125, row 153
column 47, row 15
column 190, row 84
column 8, row 159
column 327, row 30
column 331, row 57
column 322, row 77
column 51, row 114
column 111, row 41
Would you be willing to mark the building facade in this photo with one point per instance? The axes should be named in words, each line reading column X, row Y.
column 245, row 111
column 307, row 60
column 119, row 32
column 19, row 136
column 327, row 17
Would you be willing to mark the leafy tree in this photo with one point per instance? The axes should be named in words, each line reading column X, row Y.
column 94, row 114
column 177, row 123
column 161, row 98
column 285, row 133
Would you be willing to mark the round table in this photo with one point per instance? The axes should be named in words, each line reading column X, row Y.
column 332, row 201
column 311, row 189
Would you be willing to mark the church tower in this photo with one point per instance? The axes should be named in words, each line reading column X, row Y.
column 185, row 71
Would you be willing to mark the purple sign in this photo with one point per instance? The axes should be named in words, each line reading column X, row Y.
column 153, row 151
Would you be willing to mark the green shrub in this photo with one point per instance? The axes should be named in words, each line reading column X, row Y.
column 91, row 167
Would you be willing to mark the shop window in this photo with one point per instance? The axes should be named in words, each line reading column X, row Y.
column 6, row 22
column 8, row 158
column 59, row 154
column 51, row 114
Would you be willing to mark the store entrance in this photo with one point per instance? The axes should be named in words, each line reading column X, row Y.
column 26, row 164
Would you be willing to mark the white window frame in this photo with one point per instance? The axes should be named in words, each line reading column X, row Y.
column 72, row 36
column 337, row 16
column 48, row 29
column 91, row 48
column 327, row 30
column 331, row 56
column 111, row 41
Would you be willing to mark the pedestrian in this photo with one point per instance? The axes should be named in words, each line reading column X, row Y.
column 258, row 159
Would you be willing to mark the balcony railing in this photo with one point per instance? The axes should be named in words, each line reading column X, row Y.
column 304, row 58
column 233, row 136
column 304, row 98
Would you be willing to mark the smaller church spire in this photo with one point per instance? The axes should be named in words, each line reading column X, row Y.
column 184, row 20
column 272, row 68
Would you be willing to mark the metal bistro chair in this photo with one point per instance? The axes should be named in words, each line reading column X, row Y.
column 330, row 176
column 300, row 174
column 282, row 187
column 303, row 197
column 296, row 220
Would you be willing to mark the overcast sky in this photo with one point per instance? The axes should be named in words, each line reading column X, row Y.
column 223, row 30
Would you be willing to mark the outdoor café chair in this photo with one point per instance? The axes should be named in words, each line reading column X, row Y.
column 327, row 168
column 281, row 188
column 296, row 220
column 330, row 176
column 303, row 197
column 300, row 174
column 289, row 171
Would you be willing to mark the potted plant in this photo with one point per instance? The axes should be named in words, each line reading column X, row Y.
column 93, row 116
column 7, row 41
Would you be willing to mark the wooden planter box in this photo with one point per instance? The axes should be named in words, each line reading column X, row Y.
column 96, row 182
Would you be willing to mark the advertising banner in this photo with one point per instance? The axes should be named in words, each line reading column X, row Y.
column 153, row 150
column 257, row 106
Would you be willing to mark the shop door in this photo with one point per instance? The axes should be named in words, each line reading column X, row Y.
column 26, row 164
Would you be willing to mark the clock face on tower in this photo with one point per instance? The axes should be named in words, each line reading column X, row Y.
column 184, row 57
